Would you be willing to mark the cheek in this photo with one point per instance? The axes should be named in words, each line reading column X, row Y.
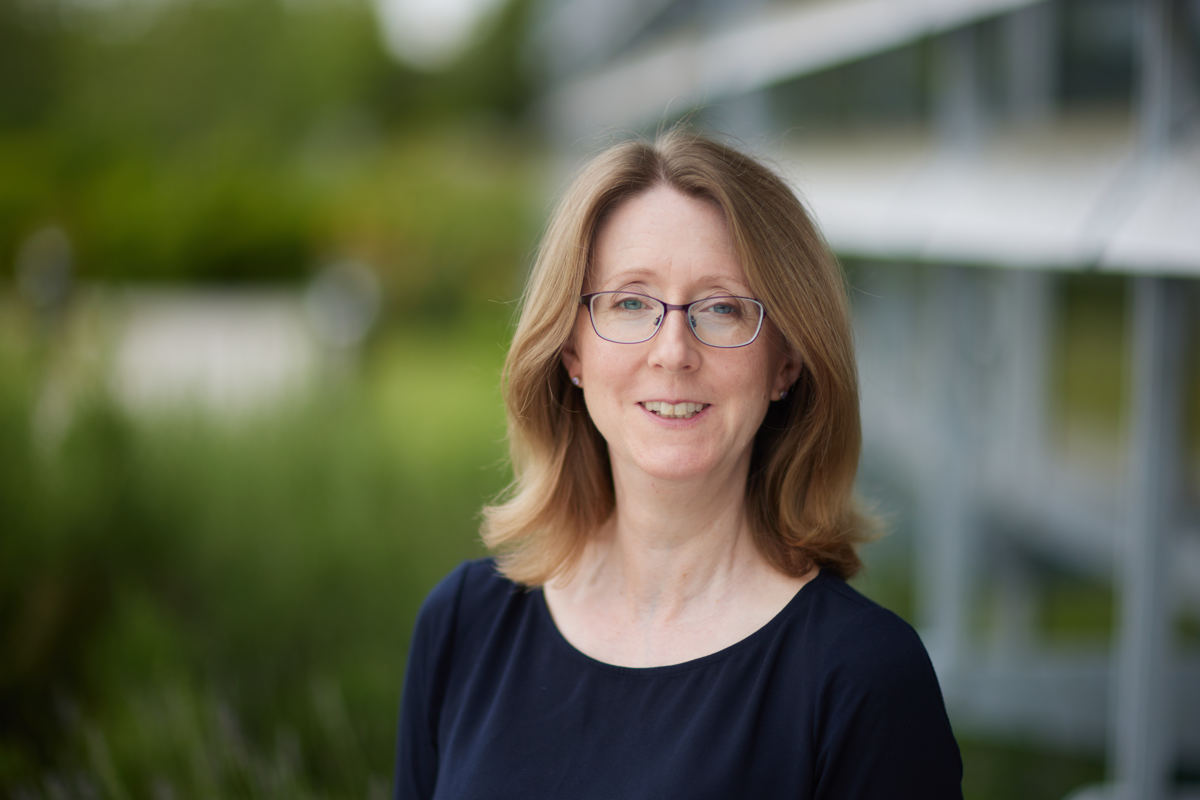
column 590, row 360
column 758, row 375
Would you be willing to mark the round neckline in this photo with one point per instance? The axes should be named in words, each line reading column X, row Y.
column 745, row 642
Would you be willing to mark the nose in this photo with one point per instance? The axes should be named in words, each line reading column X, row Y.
column 675, row 347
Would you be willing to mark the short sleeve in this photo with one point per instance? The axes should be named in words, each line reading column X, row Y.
column 429, row 657
column 883, row 731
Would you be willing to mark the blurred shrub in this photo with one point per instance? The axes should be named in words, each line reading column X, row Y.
column 210, row 608
column 233, row 140
column 215, row 608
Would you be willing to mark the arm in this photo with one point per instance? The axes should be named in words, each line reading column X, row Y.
column 424, row 689
column 883, row 730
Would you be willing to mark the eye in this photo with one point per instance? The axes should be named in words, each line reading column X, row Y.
column 630, row 304
column 724, row 307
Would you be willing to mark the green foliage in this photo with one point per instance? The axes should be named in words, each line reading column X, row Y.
column 223, row 607
column 1092, row 353
column 1001, row 770
column 209, row 609
column 234, row 140
column 449, row 215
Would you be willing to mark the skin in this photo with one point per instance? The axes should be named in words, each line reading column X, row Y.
column 674, row 574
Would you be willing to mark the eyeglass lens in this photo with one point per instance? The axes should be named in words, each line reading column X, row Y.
column 629, row 317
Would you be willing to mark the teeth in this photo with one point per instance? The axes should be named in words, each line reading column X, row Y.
column 673, row 410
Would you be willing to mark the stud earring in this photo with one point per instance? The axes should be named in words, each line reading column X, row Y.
column 575, row 379
column 782, row 394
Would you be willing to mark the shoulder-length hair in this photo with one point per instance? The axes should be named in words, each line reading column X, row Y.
column 799, row 493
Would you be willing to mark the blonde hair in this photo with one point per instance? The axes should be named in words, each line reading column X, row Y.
column 799, row 493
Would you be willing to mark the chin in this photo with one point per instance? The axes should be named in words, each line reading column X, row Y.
column 680, row 469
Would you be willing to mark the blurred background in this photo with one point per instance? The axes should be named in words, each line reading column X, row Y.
column 259, row 265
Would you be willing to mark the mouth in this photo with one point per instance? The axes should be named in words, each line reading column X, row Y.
column 685, row 410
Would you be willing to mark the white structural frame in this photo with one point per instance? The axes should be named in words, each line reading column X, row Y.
column 1120, row 198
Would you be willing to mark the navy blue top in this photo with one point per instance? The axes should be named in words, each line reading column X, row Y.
column 834, row 698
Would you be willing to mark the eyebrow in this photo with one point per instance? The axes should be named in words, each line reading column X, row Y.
column 712, row 280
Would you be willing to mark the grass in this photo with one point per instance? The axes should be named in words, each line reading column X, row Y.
column 216, row 607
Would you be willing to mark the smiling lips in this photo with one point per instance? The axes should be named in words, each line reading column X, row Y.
column 674, row 410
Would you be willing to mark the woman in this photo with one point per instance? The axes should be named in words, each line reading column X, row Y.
column 668, row 615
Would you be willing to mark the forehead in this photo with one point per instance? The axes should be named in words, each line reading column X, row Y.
column 662, row 236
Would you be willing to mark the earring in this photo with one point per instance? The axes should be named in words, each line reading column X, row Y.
column 575, row 379
column 782, row 394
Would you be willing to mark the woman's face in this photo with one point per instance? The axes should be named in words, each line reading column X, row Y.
column 678, row 249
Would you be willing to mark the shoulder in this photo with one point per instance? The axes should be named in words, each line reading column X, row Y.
column 880, row 715
column 462, row 599
column 855, row 632
column 437, row 643
column 466, row 588
column 865, row 655
column 871, row 661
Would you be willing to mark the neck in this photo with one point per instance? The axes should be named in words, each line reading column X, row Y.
column 671, row 544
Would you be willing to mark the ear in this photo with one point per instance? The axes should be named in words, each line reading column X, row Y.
column 570, row 358
column 787, row 373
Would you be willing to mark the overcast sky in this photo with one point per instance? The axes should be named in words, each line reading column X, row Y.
column 429, row 33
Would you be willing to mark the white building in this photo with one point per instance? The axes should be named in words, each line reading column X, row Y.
column 994, row 147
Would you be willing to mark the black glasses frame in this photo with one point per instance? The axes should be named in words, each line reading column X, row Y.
column 587, row 299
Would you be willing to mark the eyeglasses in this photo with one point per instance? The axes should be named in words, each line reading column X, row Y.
column 630, row 317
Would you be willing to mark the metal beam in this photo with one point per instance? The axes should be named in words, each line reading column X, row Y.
column 1142, row 728
column 680, row 72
